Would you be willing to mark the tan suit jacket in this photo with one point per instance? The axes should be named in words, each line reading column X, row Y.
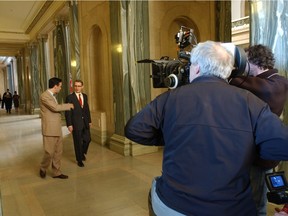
column 51, row 114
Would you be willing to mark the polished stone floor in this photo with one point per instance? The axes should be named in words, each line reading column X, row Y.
column 109, row 184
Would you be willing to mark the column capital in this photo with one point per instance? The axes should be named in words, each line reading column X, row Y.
column 42, row 37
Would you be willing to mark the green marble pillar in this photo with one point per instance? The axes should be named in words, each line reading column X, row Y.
column 74, row 41
column 61, row 58
column 131, row 81
column 129, row 23
column 43, row 74
column 35, row 78
column 20, row 75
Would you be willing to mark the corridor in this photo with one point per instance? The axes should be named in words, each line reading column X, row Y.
column 109, row 184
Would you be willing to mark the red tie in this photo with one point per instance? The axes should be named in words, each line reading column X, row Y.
column 80, row 100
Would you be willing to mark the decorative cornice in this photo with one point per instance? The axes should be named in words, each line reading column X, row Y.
column 240, row 23
column 39, row 15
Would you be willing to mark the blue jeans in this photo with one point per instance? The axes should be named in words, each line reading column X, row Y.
column 159, row 208
column 259, row 189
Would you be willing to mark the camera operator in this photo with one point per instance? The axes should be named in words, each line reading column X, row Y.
column 210, row 131
column 268, row 85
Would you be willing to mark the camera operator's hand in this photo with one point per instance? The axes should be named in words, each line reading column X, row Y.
column 281, row 213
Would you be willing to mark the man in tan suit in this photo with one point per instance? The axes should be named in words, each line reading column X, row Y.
column 51, row 129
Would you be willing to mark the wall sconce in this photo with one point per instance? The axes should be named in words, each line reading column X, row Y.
column 73, row 63
column 119, row 48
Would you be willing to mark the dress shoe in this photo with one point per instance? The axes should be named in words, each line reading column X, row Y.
column 42, row 173
column 80, row 164
column 62, row 176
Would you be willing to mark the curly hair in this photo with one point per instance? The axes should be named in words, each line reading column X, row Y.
column 261, row 56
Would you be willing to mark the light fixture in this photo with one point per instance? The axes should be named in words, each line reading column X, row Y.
column 73, row 63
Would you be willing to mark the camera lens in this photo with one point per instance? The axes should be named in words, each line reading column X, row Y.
column 171, row 81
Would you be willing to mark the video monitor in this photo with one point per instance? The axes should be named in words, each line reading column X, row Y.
column 276, row 181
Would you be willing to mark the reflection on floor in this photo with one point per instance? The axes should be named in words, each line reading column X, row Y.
column 108, row 185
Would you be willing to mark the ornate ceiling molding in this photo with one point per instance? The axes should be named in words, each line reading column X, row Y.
column 39, row 15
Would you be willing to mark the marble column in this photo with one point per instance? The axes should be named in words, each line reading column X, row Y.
column 11, row 77
column 74, row 41
column 131, row 81
column 21, row 78
column 27, row 79
column 269, row 26
column 35, row 79
column 61, row 54
column 43, row 73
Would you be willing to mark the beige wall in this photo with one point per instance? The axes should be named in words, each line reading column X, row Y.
column 94, row 30
column 165, row 20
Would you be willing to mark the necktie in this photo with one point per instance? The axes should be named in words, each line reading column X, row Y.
column 80, row 100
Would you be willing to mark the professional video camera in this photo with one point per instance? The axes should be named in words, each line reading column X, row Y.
column 171, row 74
column 277, row 185
column 168, row 73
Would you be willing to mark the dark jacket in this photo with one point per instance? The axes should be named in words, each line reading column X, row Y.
column 78, row 117
column 7, row 100
column 272, row 89
column 210, row 130
column 268, row 86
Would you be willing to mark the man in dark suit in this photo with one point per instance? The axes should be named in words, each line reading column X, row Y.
column 51, row 129
column 78, row 121
column 7, row 100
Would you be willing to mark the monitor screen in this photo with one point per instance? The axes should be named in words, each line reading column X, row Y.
column 277, row 181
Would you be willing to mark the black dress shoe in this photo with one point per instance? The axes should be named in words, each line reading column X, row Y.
column 62, row 176
column 80, row 164
column 42, row 173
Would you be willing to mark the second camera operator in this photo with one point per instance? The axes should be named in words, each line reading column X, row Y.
column 268, row 85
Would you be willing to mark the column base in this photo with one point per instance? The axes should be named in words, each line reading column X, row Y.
column 137, row 149
column 119, row 144
column 126, row 147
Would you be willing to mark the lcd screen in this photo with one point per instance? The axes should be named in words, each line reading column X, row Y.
column 277, row 181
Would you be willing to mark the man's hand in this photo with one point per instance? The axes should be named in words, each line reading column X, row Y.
column 281, row 213
column 70, row 128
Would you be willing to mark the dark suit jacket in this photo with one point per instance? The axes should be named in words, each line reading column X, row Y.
column 78, row 117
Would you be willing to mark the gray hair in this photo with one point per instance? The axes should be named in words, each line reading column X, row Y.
column 213, row 59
